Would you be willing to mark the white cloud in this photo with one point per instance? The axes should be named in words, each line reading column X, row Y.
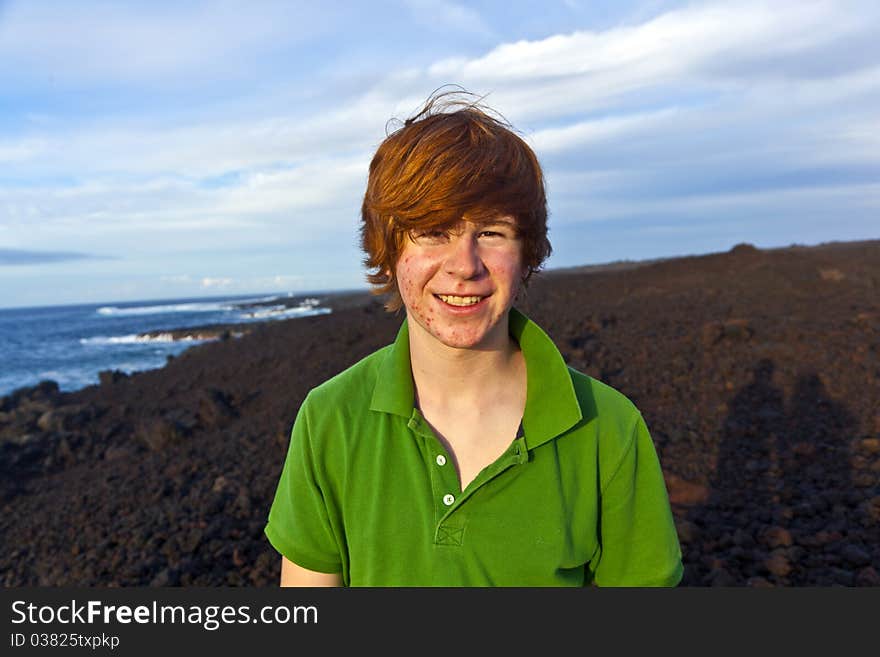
column 311, row 185
column 712, row 108
column 279, row 280
column 583, row 133
column 201, row 148
column 446, row 15
column 208, row 282
column 674, row 43
column 180, row 278
column 718, row 47
column 166, row 213
column 22, row 150
column 99, row 41
column 772, row 203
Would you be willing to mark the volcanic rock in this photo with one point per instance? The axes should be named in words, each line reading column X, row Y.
column 756, row 376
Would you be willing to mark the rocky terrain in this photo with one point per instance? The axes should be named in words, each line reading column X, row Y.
column 758, row 372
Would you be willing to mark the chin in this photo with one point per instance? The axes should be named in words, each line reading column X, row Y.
column 461, row 344
column 469, row 340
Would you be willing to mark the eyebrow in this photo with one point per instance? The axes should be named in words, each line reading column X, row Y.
column 499, row 221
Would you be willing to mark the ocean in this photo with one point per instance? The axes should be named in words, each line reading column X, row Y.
column 72, row 344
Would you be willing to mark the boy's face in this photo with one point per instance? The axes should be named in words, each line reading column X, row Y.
column 458, row 284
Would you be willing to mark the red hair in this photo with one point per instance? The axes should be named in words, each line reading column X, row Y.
column 450, row 162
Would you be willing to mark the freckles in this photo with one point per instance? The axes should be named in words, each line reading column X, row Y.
column 409, row 288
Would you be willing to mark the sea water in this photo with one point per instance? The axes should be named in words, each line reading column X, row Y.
column 72, row 344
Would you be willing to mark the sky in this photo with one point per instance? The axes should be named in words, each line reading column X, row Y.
column 158, row 150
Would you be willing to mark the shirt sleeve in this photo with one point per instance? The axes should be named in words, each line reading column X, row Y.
column 639, row 542
column 300, row 525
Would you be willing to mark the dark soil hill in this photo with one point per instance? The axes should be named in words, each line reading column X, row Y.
column 758, row 372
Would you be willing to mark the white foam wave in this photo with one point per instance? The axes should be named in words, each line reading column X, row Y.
column 101, row 340
column 271, row 297
column 195, row 307
column 277, row 312
column 53, row 375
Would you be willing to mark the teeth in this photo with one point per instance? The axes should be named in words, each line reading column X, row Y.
column 459, row 301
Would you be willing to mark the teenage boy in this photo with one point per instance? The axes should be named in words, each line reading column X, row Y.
column 466, row 453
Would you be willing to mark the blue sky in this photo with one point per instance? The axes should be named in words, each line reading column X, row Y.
column 174, row 149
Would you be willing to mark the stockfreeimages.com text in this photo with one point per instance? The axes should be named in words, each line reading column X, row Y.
column 211, row 617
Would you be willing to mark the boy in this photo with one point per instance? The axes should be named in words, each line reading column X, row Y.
column 466, row 453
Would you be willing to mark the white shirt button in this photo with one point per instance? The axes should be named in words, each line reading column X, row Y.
column 448, row 499
column 441, row 460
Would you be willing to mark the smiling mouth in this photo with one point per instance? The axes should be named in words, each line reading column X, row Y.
column 453, row 300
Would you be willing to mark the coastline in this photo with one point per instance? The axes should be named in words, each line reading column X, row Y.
column 73, row 344
column 329, row 301
column 754, row 370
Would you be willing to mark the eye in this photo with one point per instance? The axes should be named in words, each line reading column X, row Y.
column 430, row 236
column 498, row 232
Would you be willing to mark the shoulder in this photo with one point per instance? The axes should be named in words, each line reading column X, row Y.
column 602, row 402
column 331, row 409
column 353, row 386
column 610, row 419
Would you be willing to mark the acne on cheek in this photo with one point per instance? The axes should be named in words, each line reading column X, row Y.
column 426, row 314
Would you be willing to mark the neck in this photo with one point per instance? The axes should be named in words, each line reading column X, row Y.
column 446, row 373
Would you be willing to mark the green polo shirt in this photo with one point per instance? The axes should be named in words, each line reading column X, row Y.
column 368, row 491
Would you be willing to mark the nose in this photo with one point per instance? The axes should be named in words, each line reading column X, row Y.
column 463, row 257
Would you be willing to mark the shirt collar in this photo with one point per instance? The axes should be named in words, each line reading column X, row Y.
column 394, row 391
column 551, row 402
